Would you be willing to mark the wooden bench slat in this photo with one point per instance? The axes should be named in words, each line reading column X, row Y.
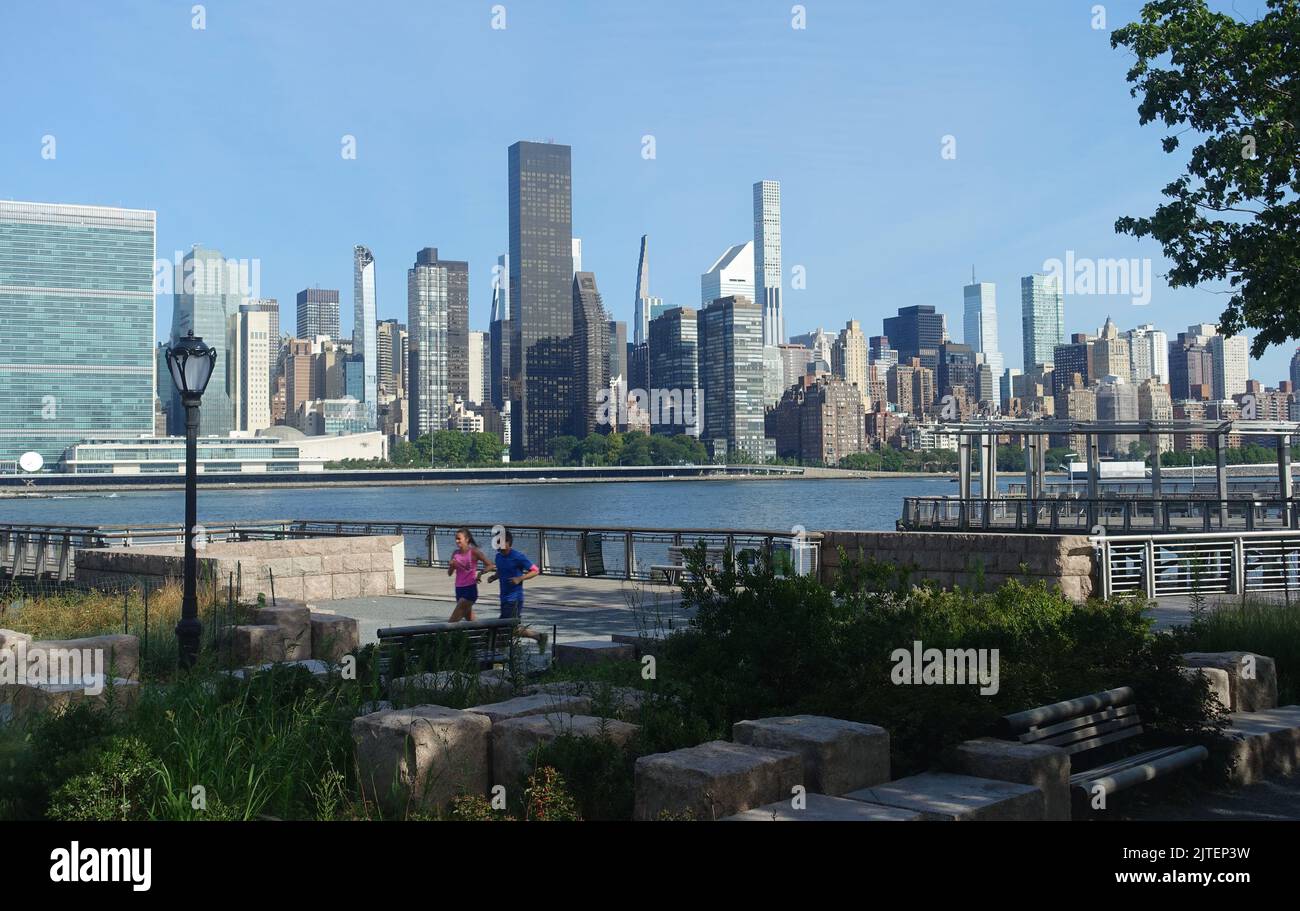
column 1119, row 765
column 1037, row 735
column 1141, row 769
column 1084, row 746
column 1085, row 734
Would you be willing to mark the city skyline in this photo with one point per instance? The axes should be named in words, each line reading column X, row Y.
column 910, row 237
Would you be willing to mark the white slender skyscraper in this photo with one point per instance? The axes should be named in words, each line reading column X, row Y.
column 364, row 324
column 767, row 259
column 980, row 324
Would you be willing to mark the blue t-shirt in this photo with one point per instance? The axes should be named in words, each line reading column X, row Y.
column 510, row 565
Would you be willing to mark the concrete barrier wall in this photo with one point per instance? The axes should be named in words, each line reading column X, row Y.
column 304, row 569
column 1066, row 562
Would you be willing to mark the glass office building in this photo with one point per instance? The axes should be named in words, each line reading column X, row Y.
column 541, row 295
column 77, row 318
column 207, row 298
column 1042, row 318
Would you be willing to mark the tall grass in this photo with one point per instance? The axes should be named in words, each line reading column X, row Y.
column 149, row 613
column 1264, row 627
column 204, row 747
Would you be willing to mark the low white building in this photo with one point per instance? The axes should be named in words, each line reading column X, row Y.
column 283, row 449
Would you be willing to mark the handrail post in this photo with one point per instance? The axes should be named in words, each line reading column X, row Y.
column 1238, row 566
column 629, row 554
column 1149, row 569
column 431, row 544
column 1104, row 553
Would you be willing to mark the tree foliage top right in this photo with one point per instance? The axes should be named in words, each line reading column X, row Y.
column 1233, row 215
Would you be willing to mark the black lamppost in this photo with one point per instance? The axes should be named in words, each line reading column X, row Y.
column 190, row 362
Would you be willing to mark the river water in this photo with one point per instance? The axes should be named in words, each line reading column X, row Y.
column 777, row 505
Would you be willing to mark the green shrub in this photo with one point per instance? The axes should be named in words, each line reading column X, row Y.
column 598, row 773
column 763, row 645
column 548, row 798
column 117, row 788
column 35, row 760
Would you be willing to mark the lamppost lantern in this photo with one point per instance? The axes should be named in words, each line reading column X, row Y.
column 191, row 363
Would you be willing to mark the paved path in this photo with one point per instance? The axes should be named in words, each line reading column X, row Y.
column 577, row 608
column 1275, row 799
column 1177, row 610
column 594, row 608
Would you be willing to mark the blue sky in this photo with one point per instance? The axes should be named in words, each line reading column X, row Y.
column 233, row 134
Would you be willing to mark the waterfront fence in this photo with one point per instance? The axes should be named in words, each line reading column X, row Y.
column 635, row 554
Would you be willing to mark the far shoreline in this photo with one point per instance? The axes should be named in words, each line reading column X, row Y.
column 322, row 480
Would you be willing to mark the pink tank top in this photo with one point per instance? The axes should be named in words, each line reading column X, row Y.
column 466, row 568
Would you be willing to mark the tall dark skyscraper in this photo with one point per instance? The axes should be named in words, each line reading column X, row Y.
column 916, row 332
column 541, row 295
column 318, row 313
column 591, row 354
column 617, row 350
column 674, row 368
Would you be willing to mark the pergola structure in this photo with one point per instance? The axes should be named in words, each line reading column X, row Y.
column 1034, row 432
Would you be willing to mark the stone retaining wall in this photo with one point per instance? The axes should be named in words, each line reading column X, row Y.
column 304, row 569
column 951, row 559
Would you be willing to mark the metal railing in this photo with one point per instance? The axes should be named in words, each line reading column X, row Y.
column 584, row 551
column 1080, row 515
column 1230, row 564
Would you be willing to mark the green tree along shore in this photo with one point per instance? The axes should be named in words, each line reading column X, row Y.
column 452, row 449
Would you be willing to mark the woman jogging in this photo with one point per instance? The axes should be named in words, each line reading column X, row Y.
column 464, row 563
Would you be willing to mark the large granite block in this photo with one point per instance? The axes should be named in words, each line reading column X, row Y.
column 1219, row 680
column 823, row 808
column 942, row 796
column 10, row 638
column 120, row 653
column 1263, row 744
column 333, row 636
column 258, row 644
column 1044, row 767
column 591, row 651
column 1252, row 678
column 713, row 780
column 25, row 699
column 293, row 619
column 838, row 756
column 621, row 700
column 514, row 739
column 539, row 704
column 425, row 755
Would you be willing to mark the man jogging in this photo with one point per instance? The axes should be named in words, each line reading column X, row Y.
column 513, row 569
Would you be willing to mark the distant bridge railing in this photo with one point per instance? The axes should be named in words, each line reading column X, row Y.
column 1080, row 515
column 1155, row 566
column 40, row 551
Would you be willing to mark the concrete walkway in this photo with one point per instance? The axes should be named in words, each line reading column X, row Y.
column 1177, row 610
column 594, row 608
column 1275, row 799
column 576, row 608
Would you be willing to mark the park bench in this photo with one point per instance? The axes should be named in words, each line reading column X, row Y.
column 1088, row 728
column 676, row 565
column 444, row 646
